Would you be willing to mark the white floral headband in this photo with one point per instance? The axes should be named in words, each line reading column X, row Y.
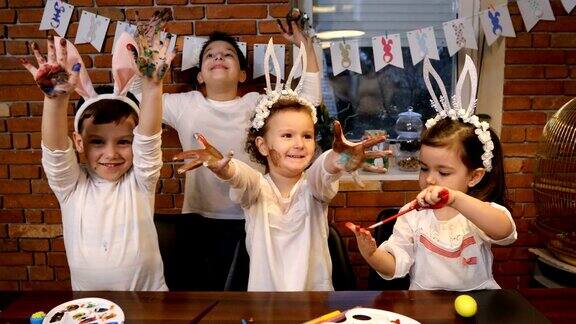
column 281, row 91
column 124, row 71
column 456, row 110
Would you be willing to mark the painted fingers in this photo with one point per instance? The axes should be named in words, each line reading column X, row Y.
column 53, row 76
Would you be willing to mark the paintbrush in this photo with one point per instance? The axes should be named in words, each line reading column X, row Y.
column 415, row 206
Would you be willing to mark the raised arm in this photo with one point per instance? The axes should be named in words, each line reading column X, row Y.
column 296, row 36
column 57, row 81
column 153, row 62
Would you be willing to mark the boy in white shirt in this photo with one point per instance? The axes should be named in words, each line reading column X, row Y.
column 223, row 116
column 108, row 204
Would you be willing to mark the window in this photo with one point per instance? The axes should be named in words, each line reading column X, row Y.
column 373, row 100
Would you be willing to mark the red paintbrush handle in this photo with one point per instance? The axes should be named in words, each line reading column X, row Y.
column 391, row 218
column 444, row 195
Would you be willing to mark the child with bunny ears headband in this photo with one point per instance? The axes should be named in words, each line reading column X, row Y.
column 108, row 204
column 285, row 209
column 461, row 211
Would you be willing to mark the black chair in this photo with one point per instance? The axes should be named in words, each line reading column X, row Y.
column 237, row 279
column 197, row 251
column 343, row 277
column 381, row 234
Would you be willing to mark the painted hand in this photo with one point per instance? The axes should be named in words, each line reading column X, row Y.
column 366, row 243
column 208, row 156
column 53, row 76
column 352, row 155
column 435, row 197
column 294, row 33
column 151, row 56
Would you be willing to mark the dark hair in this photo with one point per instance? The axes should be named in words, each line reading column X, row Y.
column 448, row 133
column 106, row 110
column 224, row 37
column 280, row 105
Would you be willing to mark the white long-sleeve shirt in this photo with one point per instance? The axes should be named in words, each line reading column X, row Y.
column 225, row 124
column 286, row 238
column 109, row 233
column 449, row 255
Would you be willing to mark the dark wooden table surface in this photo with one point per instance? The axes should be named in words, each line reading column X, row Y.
column 496, row 306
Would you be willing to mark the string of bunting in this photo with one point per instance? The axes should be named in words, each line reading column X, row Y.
column 345, row 55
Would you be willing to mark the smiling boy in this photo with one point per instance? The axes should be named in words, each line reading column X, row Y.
column 107, row 204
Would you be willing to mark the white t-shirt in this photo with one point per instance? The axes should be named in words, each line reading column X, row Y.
column 225, row 124
column 449, row 255
column 109, row 233
column 286, row 238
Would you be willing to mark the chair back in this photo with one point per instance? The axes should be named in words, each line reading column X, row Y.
column 343, row 277
column 237, row 279
column 381, row 234
column 197, row 251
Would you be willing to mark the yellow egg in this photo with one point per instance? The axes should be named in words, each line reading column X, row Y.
column 465, row 305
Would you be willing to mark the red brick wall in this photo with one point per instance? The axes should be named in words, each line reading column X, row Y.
column 540, row 76
column 538, row 81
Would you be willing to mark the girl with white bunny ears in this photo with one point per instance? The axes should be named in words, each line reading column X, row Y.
column 107, row 204
column 447, row 245
column 286, row 209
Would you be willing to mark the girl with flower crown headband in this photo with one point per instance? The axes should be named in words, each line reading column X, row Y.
column 285, row 209
column 444, row 243
column 108, row 203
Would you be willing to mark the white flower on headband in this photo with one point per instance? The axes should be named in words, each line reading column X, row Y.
column 262, row 110
column 455, row 110
column 281, row 91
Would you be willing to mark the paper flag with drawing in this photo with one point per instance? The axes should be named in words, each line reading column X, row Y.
column 345, row 56
column 56, row 16
column 533, row 11
column 459, row 34
column 92, row 29
column 387, row 51
column 496, row 22
column 422, row 43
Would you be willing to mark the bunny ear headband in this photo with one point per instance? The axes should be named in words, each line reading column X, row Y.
column 280, row 91
column 123, row 71
column 456, row 110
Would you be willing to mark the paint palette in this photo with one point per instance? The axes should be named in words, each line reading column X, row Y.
column 372, row 315
column 86, row 311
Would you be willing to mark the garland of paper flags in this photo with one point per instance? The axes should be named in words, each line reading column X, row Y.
column 495, row 22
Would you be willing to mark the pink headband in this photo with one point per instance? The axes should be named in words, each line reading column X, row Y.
column 124, row 71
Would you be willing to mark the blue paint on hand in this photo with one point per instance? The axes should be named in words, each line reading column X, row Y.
column 344, row 158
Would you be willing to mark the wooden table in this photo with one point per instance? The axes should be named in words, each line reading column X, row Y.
column 496, row 306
